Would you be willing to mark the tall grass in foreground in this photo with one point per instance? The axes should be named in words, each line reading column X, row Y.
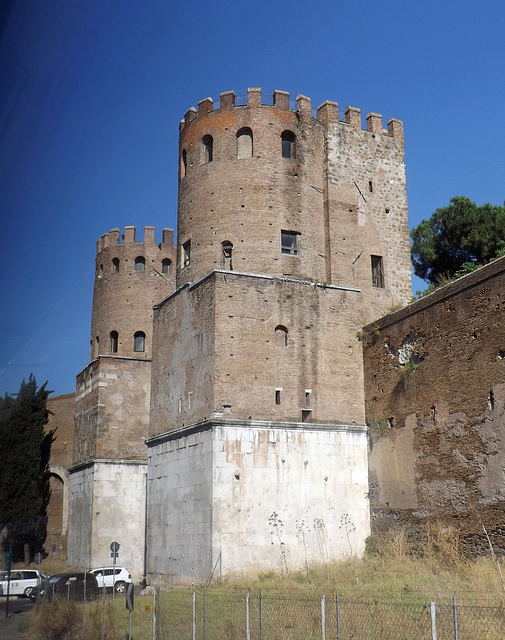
column 391, row 577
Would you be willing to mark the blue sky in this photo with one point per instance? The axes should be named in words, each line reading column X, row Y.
column 93, row 91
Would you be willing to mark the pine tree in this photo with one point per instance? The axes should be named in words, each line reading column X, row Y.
column 24, row 463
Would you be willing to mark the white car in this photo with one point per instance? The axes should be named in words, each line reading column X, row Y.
column 117, row 580
column 22, row 582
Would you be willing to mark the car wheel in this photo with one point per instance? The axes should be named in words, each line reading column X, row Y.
column 120, row 587
column 27, row 592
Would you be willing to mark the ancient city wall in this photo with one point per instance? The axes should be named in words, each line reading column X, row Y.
column 435, row 404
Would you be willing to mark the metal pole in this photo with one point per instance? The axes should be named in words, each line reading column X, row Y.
column 204, row 613
column 154, row 616
column 433, row 622
column 247, row 618
column 103, row 604
column 323, row 619
column 338, row 616
column 113, row 575
column 261, row 614
column 83, row 606
column 130, row 627
column 194, row 615
column 455, row 617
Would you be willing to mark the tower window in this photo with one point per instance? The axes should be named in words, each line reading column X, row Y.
column 139, row 342
column 290, row 242
column 140, row 263
column 227, row 249
column 165, row 265
column 114, row 341
column 208, row 148
column 288, row 144
column 281, row 335
column 244, row 143
column 115, row 265
column 370, row 186
column 377, row 272
column 184, row 163
column 186, row 254
column 277, row 396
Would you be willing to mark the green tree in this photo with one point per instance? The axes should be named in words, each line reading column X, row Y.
column 457, row 235
column 25, row 448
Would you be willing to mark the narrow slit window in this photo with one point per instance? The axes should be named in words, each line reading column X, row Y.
column 290, row 242
column 208, row 148
column 377, row 272
column 370, row 186
column 114, row 341
column 227, row 249
column 140, row 263
column 186, row 254
column 184, row 163
column 165, row 266
column 277, row 396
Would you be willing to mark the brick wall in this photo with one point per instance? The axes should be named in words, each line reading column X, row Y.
column 435, row 403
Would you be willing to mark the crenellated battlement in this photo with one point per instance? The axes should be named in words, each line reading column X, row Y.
column 114, row 238
column 326, row 113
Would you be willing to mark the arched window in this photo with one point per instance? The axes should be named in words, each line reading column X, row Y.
column 139, row 341
column 281, row 335
column 115, row 265
column 114, row 341
column 227, row 249
column 288, row 144
column 208, row 148
column 165, row 265
column 244, row 143
column 184, row 163
column 140, row 263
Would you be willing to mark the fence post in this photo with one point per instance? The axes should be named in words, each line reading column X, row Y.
column 204, row 613
column 247, row 618
column 261, row 615
column 338, row 615
column 323, row 619
column 194, row 615
column 455, row 617
column 433, row 622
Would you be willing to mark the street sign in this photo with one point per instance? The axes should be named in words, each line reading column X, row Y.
column 130, row 596
column 54, row 548
column 37, row 558
column 114, row 555
column 114, row 547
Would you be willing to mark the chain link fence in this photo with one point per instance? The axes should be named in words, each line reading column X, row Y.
column 215, row 615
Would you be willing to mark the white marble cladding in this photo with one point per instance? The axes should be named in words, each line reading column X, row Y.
column 107, row 503
column 242, row 499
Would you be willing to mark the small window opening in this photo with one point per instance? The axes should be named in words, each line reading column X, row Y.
column 179, row 404
column 244, row 143
column 308, row 393
column 281, row 335
column 377, row 272
column 388, row 211
column 277, row 396
column 186, row 254
column 306, row 415
column 165, row 266
column 115, row 265
column 139, row 342
column 184, row 163
column 491, row 400
column 97, row 346
column 114, row 341
column 208, row 148
column 227, row 248
column 288, row 144
column 290, row 242
column 140, row 263
column 370, row 186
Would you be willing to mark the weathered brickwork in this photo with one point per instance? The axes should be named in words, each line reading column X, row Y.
column 435, row 403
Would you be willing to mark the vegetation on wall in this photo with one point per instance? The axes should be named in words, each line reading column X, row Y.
column 24, row 461
column 457, row 239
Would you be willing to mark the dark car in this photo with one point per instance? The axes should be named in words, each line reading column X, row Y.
column 67, row 585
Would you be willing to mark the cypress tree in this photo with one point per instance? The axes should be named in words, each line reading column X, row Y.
column 25, row 448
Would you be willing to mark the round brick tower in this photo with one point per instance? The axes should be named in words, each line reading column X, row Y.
column 250, row 188
column 130, row 277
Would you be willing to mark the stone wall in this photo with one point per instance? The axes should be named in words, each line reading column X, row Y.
column 435, row 403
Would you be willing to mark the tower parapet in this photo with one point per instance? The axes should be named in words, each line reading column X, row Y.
column 130, row 277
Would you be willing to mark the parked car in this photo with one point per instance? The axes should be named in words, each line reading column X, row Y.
column 67, row 585
column 113, row 577
column 21, row 583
